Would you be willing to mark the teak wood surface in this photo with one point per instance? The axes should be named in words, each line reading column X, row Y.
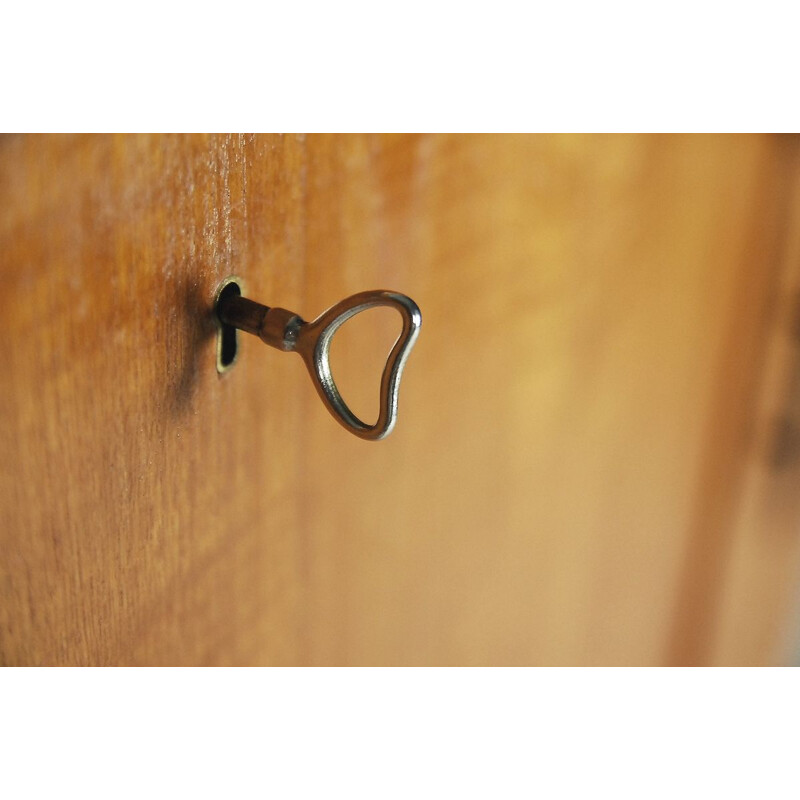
column 596, row 455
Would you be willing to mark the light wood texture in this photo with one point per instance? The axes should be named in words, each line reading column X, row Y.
column 759, row 607
column 565, row 482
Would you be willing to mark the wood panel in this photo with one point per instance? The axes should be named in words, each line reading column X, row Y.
column 758, row 617
column 596, row 312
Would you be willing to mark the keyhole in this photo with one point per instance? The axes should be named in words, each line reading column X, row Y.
column 227, row 336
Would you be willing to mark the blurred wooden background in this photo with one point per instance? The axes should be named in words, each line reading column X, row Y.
column 598, row 447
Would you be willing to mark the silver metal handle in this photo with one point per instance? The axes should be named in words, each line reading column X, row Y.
column 287, row 331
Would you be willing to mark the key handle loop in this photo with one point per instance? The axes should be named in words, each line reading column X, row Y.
column 313, row 343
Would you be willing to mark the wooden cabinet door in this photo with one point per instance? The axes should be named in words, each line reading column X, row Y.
column 584, row 469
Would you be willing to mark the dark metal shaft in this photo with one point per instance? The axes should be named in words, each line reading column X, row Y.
column 243, row 314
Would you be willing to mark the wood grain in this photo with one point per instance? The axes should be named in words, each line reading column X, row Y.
column 574, row 425
column 758, row 618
